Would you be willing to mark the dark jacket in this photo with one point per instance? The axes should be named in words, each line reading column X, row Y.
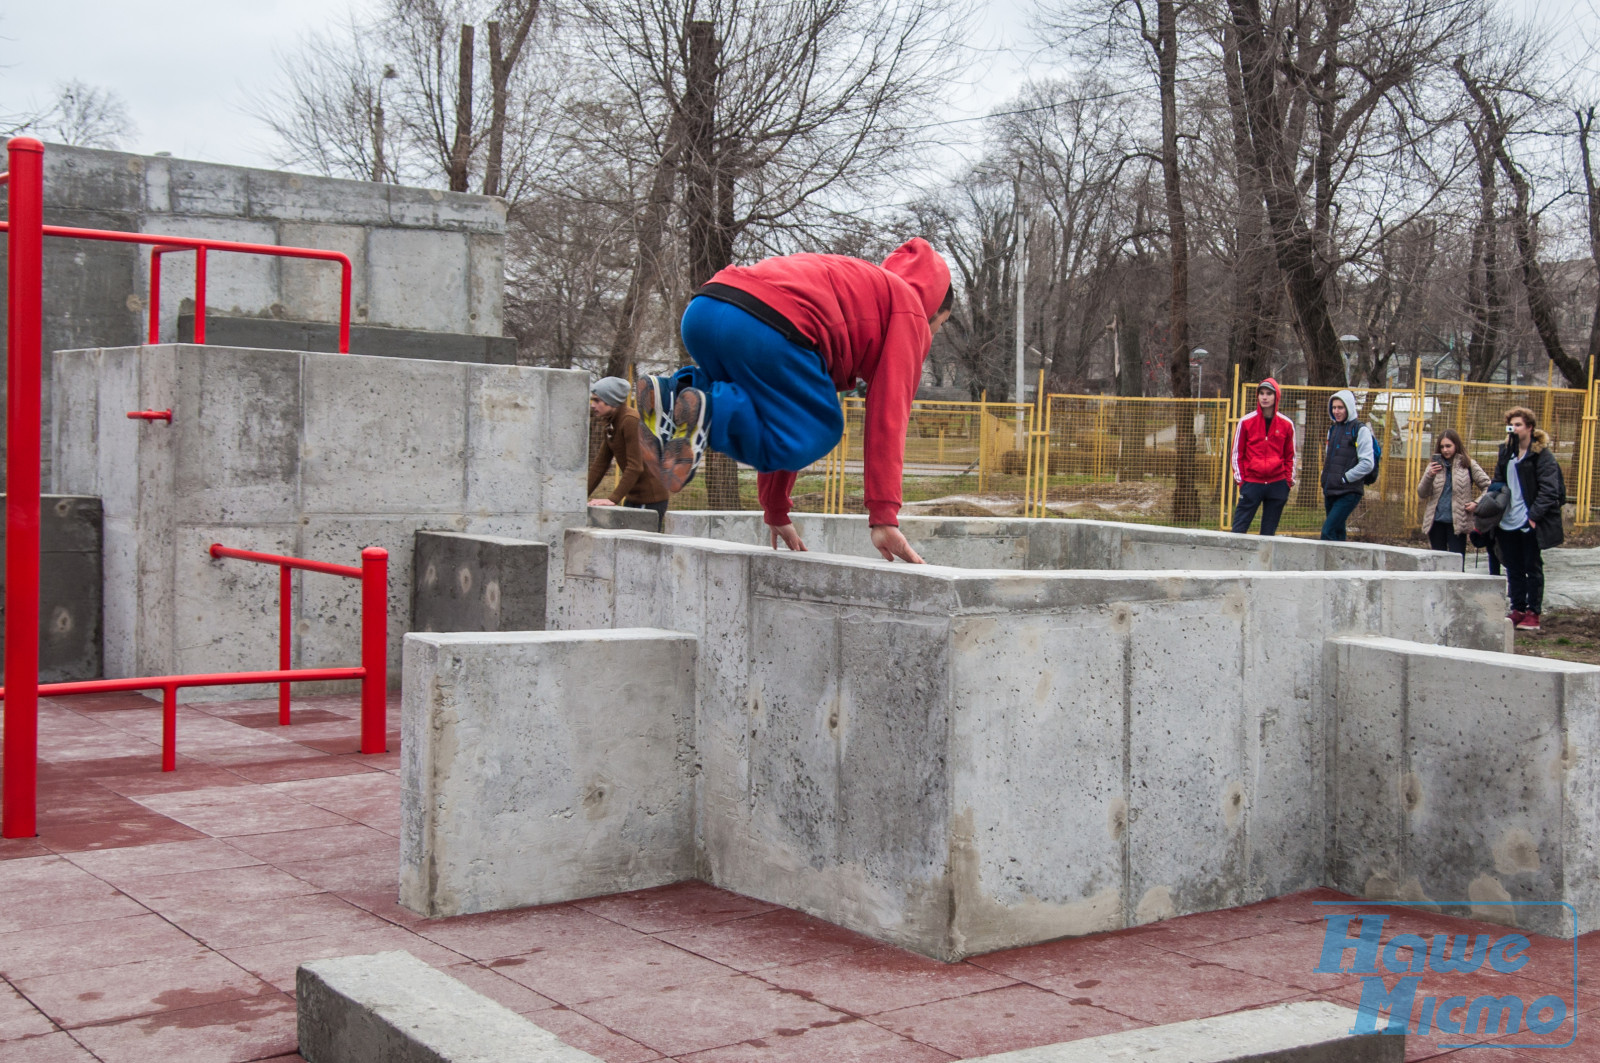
column 636, row 481
column 1541, row 484
column 1350, row 455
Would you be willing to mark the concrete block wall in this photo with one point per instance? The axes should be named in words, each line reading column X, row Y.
column 478, row 583
column 959, row 761
column 1465, row 779
column 543, row 766
column 69, row 588
column 313, row 455
column 1062, row 544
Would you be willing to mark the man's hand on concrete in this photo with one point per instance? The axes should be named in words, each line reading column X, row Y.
column 601, row 502
column 790, row 537
column 892, row 544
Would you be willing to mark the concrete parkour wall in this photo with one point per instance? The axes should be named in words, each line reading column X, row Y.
column 312, row 455
column 425, row 262
column 947, row 759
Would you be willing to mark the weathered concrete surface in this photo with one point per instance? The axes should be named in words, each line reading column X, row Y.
column 1304, row 1032
column 1465, row 779
column 1571, row 578
column 622, row 518
column 422, row 259
column 1062, row 544
column 478, row 583
column 959, row 761
column 544, row 766
column 313, row 455
column 393, row 1008
column 69, row 587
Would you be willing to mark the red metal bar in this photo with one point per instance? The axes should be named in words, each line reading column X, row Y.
column 374, row 649
column 348, row 571
column 285, row 623
column 200, row 295
column 150, row 415
column 180, row 243
column 24, row 346
column 155, row 295
column 169, row 728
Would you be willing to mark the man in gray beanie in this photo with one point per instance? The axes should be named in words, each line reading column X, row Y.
column 637, row 483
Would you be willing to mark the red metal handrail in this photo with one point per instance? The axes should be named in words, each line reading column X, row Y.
column 163, row 244
column 374, row 577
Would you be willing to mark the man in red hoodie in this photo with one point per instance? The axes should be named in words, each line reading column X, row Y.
column 773, row 345
column 1263, row 462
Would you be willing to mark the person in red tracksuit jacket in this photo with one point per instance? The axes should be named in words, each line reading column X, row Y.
column 1263, row 462
column 773, row 345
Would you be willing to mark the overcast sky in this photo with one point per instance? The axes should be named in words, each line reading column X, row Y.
column 187, row 68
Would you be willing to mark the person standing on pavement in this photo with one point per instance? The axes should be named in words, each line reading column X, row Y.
column 637, row 485
column 1532, row 521
column 1263, row 462
column 1446, row 489
column 1345, row 464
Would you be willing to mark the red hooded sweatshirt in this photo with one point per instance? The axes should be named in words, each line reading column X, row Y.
column 869, row 323
column 1263, row 450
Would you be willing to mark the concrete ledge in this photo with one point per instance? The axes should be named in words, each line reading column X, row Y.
column 1307, row 1032
column 1050, row 543
column 393, row 1008
column 544, row 766
column 622, row 518
column 1464, row 779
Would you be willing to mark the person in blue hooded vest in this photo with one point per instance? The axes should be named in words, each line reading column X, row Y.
column 1345, row 464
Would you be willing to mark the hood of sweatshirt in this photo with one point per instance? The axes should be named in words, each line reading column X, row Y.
column 924, row 269
column 1277, row 394
column 1347, row 397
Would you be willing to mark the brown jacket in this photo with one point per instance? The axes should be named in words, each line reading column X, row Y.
column 1469, row 480
column 636, row 481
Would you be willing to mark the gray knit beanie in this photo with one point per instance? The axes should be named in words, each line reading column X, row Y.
column 611, row 390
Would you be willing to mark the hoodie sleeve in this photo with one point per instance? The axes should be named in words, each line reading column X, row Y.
column 1366, row 460
column 1289, row 449
column 1238, row 441
column 772, row 488
column 889, row 395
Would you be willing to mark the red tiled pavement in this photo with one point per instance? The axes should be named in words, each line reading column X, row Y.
column 162, row 916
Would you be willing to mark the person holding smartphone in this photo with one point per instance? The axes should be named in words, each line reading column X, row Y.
column 1532, row 522
column 1447, row 488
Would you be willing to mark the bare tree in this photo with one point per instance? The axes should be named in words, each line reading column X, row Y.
column 86, row 116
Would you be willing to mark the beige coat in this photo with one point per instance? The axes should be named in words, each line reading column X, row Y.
column 1469, row 480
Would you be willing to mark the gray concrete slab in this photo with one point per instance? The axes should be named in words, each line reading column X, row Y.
column 1305, row 1032
column 69, row 587
column 1461, row 779
column 478, row 583
column 544, row 766
column 393, row 1008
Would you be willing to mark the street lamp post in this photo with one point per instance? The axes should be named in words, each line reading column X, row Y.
column 1195, row 357
column 1345, row 345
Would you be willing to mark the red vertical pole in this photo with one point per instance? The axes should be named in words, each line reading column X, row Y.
column 155, row 295
column 374, row 649
column 285, row 624
column 169, row 728
column 24, row 343
column 344, row 306
column 200, row 295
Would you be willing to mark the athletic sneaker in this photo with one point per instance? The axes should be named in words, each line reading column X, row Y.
column 681, row 456
column 653, row 396
column 1529, row 622
column 1515, row 616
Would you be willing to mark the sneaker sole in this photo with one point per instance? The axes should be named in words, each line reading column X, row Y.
column 653, row 421
column 681, row 456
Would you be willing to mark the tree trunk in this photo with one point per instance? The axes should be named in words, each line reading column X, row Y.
column 709, row 248
column 501, row 66
column 1185, row 502
column 1592, row 199
column 1483, row 287
column 461, row 149
column 647, row 264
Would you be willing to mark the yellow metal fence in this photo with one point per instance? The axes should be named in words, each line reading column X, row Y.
column 1167, row 461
